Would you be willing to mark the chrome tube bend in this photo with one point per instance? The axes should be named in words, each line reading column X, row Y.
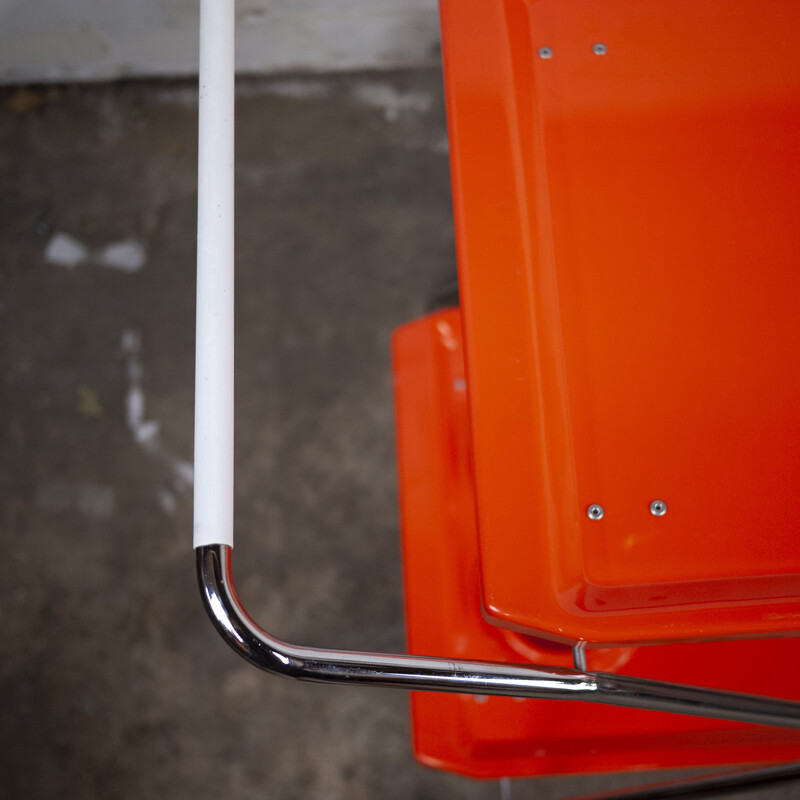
column 215, row 576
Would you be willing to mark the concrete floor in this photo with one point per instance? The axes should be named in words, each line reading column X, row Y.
column 112, row 682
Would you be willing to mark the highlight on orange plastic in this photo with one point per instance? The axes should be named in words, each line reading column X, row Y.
column 625, row 184
column 497, row 736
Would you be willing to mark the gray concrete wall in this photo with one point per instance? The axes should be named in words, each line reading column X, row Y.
column 69, row 40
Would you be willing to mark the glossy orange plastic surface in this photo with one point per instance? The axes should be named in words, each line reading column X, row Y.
column 496, row 736
column 626, row 182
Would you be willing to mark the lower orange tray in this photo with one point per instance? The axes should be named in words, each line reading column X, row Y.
column 496, row 736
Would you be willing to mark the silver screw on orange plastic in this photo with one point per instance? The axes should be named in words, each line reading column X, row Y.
column 595, row 511
column 599, row 49
column 658, row 508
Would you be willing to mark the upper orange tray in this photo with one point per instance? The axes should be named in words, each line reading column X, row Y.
column 626, row 184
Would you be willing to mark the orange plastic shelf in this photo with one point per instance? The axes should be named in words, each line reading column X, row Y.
column 627, row 208
column 497, row 736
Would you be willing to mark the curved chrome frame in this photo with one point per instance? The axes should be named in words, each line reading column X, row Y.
column 215, row 575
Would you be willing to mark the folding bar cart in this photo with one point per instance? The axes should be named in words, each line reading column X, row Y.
column 599, row 452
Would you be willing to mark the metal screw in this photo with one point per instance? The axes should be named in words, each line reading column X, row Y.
column 599, row 49
column 658, row 508
column 595, row 511
column 545, row 52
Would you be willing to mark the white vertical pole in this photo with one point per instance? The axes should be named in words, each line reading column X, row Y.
column 213, row 424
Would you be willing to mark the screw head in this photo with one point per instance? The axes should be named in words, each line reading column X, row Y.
column 595, row 511
column 658, row 508
column 599, row 49
column 545, row 52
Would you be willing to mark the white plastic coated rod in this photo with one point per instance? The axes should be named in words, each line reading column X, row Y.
column 213, row 421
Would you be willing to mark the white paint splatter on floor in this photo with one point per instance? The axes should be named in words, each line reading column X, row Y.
column 392, row 101
column 127, row 256
column 147, row 432
column 184, row 471
column 134, row 399
column 167, row 501
column 134, row 408
column 64, row 250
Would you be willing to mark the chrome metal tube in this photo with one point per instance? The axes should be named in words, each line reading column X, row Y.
column 707, row 786
column 215, row 575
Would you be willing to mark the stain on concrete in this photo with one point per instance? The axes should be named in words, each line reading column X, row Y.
column 64, row 250
column 127, row 256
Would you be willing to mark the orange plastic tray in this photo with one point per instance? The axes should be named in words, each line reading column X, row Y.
column 498, row 736
column 626, row 184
